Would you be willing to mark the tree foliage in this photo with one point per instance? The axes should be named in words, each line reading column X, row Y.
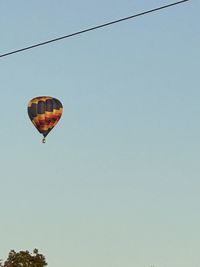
column 24, row 259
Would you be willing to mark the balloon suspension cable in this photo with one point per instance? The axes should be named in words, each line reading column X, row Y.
column 44, row 140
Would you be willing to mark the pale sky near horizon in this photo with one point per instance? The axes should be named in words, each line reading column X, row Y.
column 118, row 182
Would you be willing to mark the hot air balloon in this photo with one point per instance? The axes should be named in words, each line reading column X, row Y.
column 44, row 112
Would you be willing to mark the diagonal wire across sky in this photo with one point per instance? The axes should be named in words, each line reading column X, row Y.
column 92, row 28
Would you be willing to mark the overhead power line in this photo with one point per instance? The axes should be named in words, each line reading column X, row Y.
column 92, row 28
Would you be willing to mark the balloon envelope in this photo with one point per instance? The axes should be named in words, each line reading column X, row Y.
column 45, row 112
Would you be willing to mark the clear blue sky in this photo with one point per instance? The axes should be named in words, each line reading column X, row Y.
column 118, row 182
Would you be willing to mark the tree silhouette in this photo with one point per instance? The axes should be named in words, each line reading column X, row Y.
column 24, row 259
